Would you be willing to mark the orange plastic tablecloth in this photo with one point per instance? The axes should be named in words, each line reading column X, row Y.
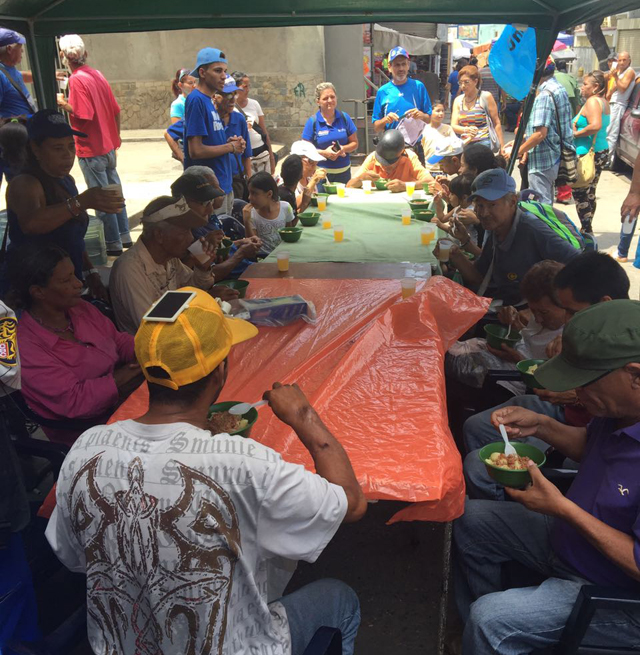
column 372, row 366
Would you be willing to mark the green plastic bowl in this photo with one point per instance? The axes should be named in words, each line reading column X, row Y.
column 238, row 285
column 529, row 378
column 251, row 415
column 309, row 219
column 224, row 248
column 506, row 477
column 381, row 185
column 420, row 205
column 314, row 198
column 496, row 336
column 290, row 234
column 424, row 215
column 331, row 188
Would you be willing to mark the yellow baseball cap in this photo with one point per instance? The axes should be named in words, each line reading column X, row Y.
column 191, row 347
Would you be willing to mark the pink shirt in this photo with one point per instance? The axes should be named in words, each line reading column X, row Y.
column 62, row 379
column 94, row 112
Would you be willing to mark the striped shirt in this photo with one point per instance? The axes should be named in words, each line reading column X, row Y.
column 474, row 117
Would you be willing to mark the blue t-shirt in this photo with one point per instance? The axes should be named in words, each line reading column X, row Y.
column 399, row 99
column 453, row 80
column 11, row 102
column 201, row 119
column 176, row 131
column 323, row 135
column 237, row 126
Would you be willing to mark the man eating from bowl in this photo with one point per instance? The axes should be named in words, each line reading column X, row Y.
column 589, row 536
column 393, row 162
column 175, row 527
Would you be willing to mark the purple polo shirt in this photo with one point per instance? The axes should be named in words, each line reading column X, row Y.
column 608, row 487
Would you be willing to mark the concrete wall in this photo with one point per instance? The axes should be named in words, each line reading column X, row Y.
column 284, row 64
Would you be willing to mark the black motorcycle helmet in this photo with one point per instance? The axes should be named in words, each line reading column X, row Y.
column 390, row 147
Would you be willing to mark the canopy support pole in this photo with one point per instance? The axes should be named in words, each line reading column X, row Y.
column 544, row 50
column 42, row 57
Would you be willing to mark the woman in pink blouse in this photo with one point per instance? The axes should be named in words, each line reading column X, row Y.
column 75, row 363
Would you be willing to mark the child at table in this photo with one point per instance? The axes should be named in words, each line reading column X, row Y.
column 462, row 210
column 266, row 214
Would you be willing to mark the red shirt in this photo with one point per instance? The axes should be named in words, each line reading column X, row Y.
column 94, row 112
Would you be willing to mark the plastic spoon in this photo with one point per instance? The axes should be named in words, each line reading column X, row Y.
column 243, row 408
column 508, row 331
column 508, row 448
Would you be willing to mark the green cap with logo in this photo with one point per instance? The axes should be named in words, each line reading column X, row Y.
column 596, row 341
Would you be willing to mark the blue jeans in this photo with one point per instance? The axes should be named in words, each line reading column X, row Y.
column 328, row 603
column 542, row 182
column 625, row 241
column 520, row 620
column 478, row 432
column 333, row 178
column 101, row 171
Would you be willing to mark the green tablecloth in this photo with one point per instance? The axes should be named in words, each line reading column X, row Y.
column 373, row 232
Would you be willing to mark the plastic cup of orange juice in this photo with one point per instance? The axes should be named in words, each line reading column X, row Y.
column 283, row 261
column 326, row 222
column 427, row 234
column 338, row 233
column 366, row 185
column 410, row 187
column 408, row 286
column 444, row 246
column 341, row 189
column 322, row 203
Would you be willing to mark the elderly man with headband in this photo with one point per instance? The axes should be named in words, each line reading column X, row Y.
column 153, row 265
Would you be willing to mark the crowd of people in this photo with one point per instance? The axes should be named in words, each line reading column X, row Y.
column 182, row 537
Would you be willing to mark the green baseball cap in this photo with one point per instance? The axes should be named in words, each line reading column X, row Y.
column 596, row 341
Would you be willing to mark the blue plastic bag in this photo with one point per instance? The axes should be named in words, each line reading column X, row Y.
column 512, row 60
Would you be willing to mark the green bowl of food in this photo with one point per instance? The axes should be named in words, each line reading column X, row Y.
column 424, row 215
column 221, row 422
column 239, row 285
column 381, row 185
column 290, row 234
column 309, row 219
column 224, row 248
column 497, row 335
column 527, row 368
column 421, row 204
column 331, row 189
column 314, row 198
column 511, row 471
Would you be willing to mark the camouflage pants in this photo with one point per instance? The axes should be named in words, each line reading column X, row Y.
column 586, row 197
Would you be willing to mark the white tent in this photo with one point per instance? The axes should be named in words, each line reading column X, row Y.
column 386, row 38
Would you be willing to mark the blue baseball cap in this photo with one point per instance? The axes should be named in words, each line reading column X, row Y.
column 9, row 37
column 50, row 124
column 208, row 56
column 398, row 51
column 230, row 85
column 492, row 185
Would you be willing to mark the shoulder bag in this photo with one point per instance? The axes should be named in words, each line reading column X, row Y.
column 493, row 136
column 568, row 170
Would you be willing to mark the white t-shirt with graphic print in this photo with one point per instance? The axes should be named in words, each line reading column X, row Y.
column 267, row 228
column 175, row 528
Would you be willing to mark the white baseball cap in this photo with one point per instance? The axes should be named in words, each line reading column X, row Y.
column 447, row 147
column 306, row 149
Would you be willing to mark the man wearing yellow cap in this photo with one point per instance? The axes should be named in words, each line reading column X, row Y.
column 175, row 528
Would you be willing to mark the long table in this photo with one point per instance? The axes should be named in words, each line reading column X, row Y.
column 339, row 271
column 373, row 233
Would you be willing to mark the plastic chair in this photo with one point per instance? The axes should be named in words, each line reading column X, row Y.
column 326, row 641
column 590, row 599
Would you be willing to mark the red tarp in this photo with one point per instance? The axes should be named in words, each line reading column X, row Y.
column 373, row 369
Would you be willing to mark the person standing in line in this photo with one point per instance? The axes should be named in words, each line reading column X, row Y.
column 542, row 148
column 624, row 77
column 235, row 125
column 263, row 158
column 93, row 109
column 15, row 99
column 403, row 97
column 181, row 86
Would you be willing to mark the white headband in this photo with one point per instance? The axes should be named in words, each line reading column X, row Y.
column 170, row 211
